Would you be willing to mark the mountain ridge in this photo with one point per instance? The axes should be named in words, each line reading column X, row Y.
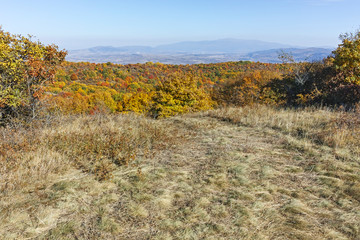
column 225, row 45
column 192, row 52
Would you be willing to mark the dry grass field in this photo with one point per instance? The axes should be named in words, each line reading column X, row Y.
column 235, row 173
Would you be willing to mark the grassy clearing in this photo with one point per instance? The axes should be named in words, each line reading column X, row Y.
column 261, row 174
column 41, row 165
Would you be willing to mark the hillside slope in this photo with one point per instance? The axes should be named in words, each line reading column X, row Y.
column 224, row 174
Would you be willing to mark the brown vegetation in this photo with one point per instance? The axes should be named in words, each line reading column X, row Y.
column 237, row 173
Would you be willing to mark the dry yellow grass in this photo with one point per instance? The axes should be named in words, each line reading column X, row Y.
column 333, row 128
column 38, row 164
column 237, row 173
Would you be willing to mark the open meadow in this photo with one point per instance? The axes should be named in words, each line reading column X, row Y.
column 234, row 173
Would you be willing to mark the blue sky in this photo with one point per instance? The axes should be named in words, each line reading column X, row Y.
column 79, row 24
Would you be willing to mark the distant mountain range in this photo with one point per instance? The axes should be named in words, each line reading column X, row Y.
column 299, row 54
column 198, row 52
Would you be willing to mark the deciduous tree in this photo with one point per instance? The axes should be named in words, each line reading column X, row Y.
column 347, row 57
column 25, row 65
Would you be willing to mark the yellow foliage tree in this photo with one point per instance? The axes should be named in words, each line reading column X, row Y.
column 347, row 57
column 138, row 102
column 178, row 95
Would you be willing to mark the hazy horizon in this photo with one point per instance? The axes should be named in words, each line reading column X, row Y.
column 161, row 43
column 84, row 24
